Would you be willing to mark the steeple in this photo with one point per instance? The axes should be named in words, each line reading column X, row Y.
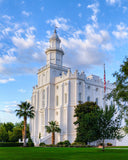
column 54, row 52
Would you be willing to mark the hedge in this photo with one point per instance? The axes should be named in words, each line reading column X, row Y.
column 10, row 144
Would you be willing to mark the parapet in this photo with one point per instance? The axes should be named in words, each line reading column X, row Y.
column 70, row 75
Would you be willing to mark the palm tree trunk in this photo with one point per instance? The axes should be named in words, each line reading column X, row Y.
column 53, row 137
column 22, row 134
column 25, row 123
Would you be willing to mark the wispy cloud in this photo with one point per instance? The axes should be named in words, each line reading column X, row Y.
column 124, row 9
column 59, row 22
column 7, row 80
column 80, row 15
column 8, row 106
column 23, row 48
column 26, row 13
column 95, row 9
column 6, row 17
column 121, row 31
column 89, row 50
column 111, row 2
column 79, row 5
column 22, row 90
column 42, row 8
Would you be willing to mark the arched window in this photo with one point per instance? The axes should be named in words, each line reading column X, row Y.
column 43, row 98
column 80, row 97
column 65, row 95
column 88, row 98
column 57, row 100
column 97, row 101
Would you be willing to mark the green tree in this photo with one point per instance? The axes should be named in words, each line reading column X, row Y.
column 120, row 92
column 21, row 126
column 15, row 135
column 108, row 124
column 26, row 111
column 3, row 134
column 86, row 115
column 8, row 126
column 52, row 128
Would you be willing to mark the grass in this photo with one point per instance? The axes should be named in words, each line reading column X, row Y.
column 39, row 153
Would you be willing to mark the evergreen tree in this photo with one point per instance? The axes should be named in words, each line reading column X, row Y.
column 108, row 124
column 86, row 115
column 94, row 123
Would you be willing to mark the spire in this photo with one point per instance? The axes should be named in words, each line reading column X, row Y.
column 54, row 52
column 55, row 36
column 55, row 30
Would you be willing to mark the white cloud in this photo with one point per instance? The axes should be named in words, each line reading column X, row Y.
column 6, row 30
column 124, row 9
column 8, row 106
column 95, row 10
column 59, row 22
column 6, row 17
column 7, row 59
column 7, row 80
column 42, row 8
column 111, row 2
column 22, row 43
column 21, row 49
column 90, row 50
column 80, row 15
column 79, row 5
column 1, row 45
column 121, row 32
column 22, row 90
column 26, row 13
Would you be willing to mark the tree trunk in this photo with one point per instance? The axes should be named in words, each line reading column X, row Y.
column 22, row 134
column 25, row 123
column 53, row 137
column 103, row 145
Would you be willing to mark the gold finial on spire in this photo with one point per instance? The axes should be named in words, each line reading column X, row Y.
column 55, row 29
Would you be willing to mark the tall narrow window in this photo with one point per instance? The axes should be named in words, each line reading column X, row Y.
column 57, row 100
column 88, row 98
column 65, row 98
column 97, row 101
column 43, row 98
column 80, row 97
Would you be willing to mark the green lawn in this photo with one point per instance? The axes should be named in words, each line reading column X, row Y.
column 38, row 153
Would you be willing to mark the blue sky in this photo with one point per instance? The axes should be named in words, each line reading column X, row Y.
column 92, row 33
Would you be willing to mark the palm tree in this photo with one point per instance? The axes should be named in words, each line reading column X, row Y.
column 26, row 111
column 52, row 129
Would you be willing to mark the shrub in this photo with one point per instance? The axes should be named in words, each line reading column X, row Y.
column 30, row 143
column 66, row 143
column 109, row 144
column 10, row 144
column 42, row 144
column 78, row 144
column 59, row 144
column 100, row 144
column 50, row 145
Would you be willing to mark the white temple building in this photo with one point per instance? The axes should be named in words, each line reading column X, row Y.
column 58, row 91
